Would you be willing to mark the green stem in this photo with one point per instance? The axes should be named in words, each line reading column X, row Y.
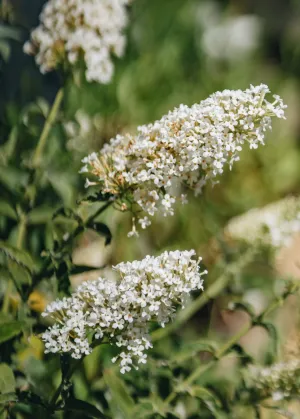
column 21, row 232
column 212, row 292
column 224, row 349
column 69, row 374
column 98, row 212
column 47, row 127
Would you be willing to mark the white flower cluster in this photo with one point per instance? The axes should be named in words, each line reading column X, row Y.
column 189, row 144
column 280, row 381
column 273, row 225
column 120, row 312
column 71, row 30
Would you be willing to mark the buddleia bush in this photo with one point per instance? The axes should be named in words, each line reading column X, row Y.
column 98, row 339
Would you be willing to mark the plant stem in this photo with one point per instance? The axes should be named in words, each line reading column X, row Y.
column 212, row 292
column 48, row 124
column 69, row 374
column 66, row 378
column 225, row 348
column 98, row 212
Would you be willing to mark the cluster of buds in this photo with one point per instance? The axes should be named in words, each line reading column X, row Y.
column 273, row 225
column 190, row 145
column 75, row 30
column 120, row 312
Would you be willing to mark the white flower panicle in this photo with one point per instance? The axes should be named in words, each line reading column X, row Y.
column 279, row 381
column 71, row 30
column 273, row 225
column 120, row 312
column 189, row 144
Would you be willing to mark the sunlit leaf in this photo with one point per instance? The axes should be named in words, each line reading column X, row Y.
column 19, row 256
column 119, row 393
column 7, row 379
column 10, row 329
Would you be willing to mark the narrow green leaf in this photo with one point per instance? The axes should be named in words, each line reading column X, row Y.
column 19, row 256
column 20, row 275
column 8, row 148
column 7, row 210
column 87, row 409
column 8, row 397
column 4, row 273
column 144, row 409
column 10, row 329
column 12, row 177
column 271, row 329
column 119, row 392
column 7, row 379
column 10, row 32
column 4, row 50
column 202, row 393
column 192, row 349
column 40, row 215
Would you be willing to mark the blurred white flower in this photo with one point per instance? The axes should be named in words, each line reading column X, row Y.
column 232, row 38
column 121, row 311
column 279, row 381
column 83, row 130
column 71, row 30
column 189, row 144
column 273, row 225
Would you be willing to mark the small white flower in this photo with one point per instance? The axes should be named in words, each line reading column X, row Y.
column 71, row 30
column 121, row 311
column 279, row 381
column 190, row 145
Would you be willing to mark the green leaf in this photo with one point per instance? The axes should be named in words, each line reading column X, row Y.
column 203, row 393
column 40, row 215
column 12, row 177
column 119, row 392
column 20, row 275
column 87, row 409
column 144, row 409
column 8, row 148
column 7, row 210
column 8, row 397
column 4, row 273
column 19, row 256
column 7, row 379
column 271, row 329
column 192, row 349
column 10, row 329
column 4, row 50
column 10, row 32
column 62, row 184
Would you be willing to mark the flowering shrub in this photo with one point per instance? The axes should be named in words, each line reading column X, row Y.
column 65, row 341
column 189, row 144
column 147, row 291
column 71, row 31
